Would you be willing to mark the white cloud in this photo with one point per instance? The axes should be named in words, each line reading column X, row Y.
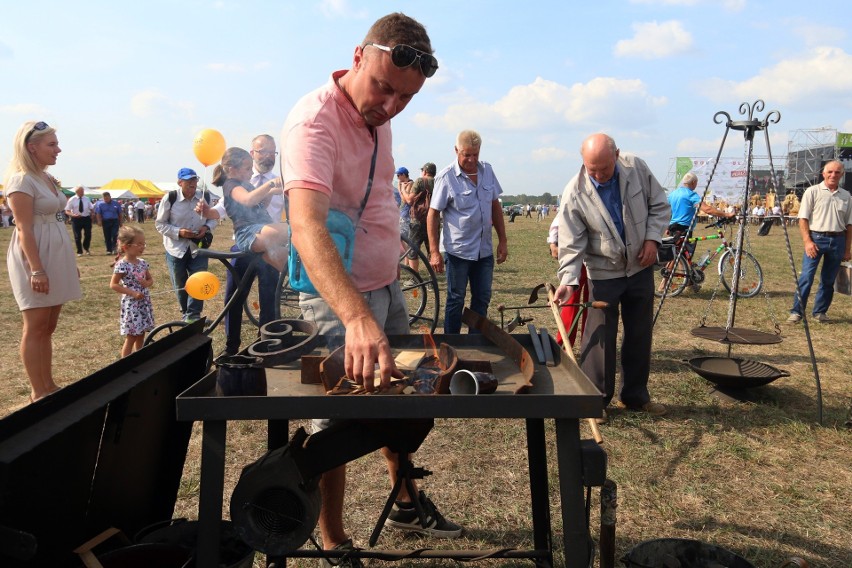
column 340, row 9
column 547, row 104
column 548, row 154
column 817, row 34
column 816, row 78
column 32, row 109
column 654, row 40
column 152, row 103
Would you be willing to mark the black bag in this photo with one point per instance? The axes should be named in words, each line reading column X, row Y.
column 765, row 226
column 666, row 250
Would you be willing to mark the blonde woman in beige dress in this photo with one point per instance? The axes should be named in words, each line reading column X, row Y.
column 41, row 263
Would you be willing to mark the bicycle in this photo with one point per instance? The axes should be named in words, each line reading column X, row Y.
column 421, row 294
column 672, row 280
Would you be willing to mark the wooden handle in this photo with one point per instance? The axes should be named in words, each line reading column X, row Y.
column 566, row 346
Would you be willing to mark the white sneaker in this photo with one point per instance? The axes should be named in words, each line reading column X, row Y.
column 794, row 318
column 822, row 318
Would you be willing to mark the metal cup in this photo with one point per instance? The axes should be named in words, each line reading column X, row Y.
column 472, row 382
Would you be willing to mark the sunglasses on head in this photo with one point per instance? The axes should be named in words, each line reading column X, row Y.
column 37, row 127
column 404, row 56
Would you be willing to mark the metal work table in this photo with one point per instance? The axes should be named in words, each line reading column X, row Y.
column 562, row 393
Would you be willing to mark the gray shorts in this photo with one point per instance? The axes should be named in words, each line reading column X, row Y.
column 388, row 307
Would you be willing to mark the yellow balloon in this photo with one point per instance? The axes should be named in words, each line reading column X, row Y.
column 209, row 145
column 202, row 285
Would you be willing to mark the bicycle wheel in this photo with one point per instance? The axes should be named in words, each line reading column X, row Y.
column 675, row 278
column 251, row 306
column 286, row 299
column 420, row 290
column 751, row 275
column 162, row 330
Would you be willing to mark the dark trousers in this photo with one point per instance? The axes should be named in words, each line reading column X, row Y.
column 140, row 215
column 459, row 272
column 110, row 227
column 267, row 280
column 82, row 228
column 633, row 297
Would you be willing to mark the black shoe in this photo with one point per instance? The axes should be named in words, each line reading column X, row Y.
column 343, row 561
column 228, row 352
column 405, row 518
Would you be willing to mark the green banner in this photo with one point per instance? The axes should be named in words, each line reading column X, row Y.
column 682, row 167
column 844, row 139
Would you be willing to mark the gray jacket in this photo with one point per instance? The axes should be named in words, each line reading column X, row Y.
column 587, row 232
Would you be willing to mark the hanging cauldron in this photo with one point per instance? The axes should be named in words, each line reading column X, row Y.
column 735, row 373
column 240, row 375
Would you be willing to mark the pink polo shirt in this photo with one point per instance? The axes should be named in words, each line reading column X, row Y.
column 327, row 147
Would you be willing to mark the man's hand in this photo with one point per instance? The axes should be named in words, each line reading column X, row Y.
column 502, row 252
column 437, row 261
column 811, row 249
column 847, row 255
column 554, row 250
column 366, row 344
column 648, row 254
column 563, row 294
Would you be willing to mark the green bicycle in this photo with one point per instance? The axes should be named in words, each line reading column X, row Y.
column 671, row 279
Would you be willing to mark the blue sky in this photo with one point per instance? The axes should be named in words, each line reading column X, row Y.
column 128, row 85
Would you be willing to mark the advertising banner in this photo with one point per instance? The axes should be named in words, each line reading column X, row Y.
column 728, row 181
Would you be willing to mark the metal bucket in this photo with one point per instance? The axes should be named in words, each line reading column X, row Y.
column 735, row 373
column 233, row 552
column 240, row 375
column 681, row 553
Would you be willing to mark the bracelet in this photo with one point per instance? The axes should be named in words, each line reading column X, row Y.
column 35, row 273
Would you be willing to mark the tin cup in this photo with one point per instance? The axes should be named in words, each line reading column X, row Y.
column 472, row 382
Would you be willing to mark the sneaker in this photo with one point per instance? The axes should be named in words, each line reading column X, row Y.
column 343, row 561
column 405, row 518
column 88, row 253
column 822, row 318
column 79, row 254
column 794, row 318
column 409, row 283
column 652, row 408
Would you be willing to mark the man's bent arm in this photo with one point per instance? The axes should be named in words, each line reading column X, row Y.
column 433, row 230
column 366, row 342
column 500, row 227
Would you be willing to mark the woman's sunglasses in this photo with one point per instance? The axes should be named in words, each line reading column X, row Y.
column 37, row 127
column 404, row 56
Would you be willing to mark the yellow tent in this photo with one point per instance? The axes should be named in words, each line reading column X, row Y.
column 139, row 187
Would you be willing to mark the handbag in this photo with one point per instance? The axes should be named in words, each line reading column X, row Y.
column 843, row 282
column 342, row 230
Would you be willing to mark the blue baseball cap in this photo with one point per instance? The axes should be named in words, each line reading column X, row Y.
column 402, row 170
column 187, row 173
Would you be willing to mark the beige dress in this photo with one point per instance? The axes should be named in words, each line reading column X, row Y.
column 54, row 248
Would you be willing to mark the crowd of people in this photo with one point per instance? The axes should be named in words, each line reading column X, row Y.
column 336, row 153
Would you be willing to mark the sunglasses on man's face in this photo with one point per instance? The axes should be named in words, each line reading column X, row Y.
column 37, row 127
column 404, row 56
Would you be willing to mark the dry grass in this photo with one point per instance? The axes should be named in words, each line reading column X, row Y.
column 761, row 478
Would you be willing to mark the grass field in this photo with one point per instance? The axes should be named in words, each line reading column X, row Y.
column 762, row 478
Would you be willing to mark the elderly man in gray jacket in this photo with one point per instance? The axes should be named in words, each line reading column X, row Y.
column 612, row 217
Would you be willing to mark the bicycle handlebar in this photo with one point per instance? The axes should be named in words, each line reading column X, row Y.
column 721, row 222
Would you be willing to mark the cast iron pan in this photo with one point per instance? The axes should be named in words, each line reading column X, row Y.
column 735, row 373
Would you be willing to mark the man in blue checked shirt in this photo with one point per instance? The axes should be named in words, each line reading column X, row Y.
column 466, row 194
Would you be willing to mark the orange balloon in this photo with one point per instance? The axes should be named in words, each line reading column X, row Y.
column 202, row 285
column 209, row 145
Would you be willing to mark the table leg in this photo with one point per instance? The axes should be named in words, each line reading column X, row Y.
column 277, row 435
column 539, row 491
column 575, row 533
column 210, row 497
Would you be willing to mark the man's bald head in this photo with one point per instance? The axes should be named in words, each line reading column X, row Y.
column 599, row 154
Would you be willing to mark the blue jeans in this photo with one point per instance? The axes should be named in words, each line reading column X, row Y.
column 110, row 228
column 459, row 272
column 267, row 280
column 179, row 270
column 831, row 249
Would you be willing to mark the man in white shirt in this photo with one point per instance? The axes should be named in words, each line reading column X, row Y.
column 79, row 209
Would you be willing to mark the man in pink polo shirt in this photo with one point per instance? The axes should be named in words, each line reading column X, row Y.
column 337, row 152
